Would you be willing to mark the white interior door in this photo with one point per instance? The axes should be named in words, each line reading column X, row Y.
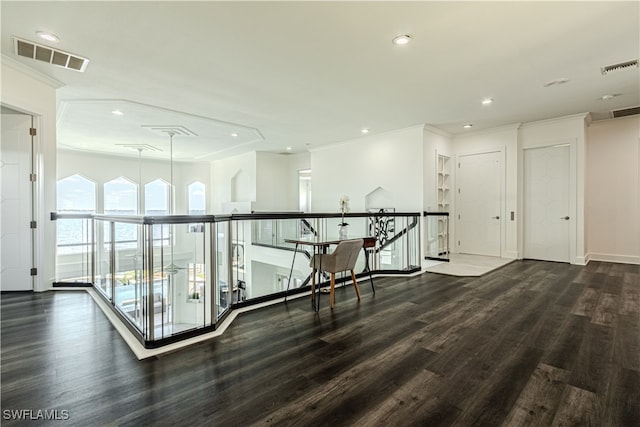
column 546, row 203
column 15, row 201
column 478, row 204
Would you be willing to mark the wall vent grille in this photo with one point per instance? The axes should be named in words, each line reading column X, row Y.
column 31, row 50
column 623, row 112
column 619, row 67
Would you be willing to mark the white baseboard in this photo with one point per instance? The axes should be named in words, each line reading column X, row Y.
column 581, row 260
column 622, row 259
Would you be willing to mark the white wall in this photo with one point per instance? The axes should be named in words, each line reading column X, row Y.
column 273, row 189
column 222, row 175
column 569, row 130
column 391, row 161
column 504, row 140
column 269, row 183
column 296, row 163
column 613, row 190
column 25, row 90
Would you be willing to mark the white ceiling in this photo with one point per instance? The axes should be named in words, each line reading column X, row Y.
column 305, row 74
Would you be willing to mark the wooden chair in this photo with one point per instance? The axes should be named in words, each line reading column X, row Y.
column 343, row 258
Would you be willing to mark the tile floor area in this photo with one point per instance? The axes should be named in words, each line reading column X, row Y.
column 467, row 265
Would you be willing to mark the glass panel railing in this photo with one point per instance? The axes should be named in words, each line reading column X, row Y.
column 263, row 232
column 75, row 249
column 130, row 289
column 104, row 257
column 436, row 236
column 192, row 302
column 170, row 275
column 287, row 229
column 127, row 270
column 224, row 293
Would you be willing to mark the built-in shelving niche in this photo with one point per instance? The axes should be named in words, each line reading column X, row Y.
column 443, row 184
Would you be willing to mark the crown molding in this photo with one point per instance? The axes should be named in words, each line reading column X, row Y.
column 30, row 72
column 437, row 131
column 581, row 116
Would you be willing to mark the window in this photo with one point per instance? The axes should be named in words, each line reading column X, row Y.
column 121, row 198
column 156, row 203
column 156, row 198
column 196, row 282
column 304, row 190
column 76, row 195
column 196, row 198
column 196, row 204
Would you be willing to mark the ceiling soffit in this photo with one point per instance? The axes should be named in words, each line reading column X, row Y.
column 92, row 125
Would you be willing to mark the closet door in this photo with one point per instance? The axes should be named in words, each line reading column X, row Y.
column 478, row 204
column 15, row 168
column 546, row 203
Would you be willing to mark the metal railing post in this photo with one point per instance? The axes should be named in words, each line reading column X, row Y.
column 93, row 251
column 213, row 264
column 149, row 300
column 112, row 261
column 229, row 264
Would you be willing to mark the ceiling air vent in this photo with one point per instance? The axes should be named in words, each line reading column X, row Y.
column 53, row 56
column 619, row 67
column 623, row 112
column 164, row 130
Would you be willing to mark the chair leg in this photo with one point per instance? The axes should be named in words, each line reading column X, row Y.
column 332, row 292
column 355, row 284
column 313, row 285
column 371, row 279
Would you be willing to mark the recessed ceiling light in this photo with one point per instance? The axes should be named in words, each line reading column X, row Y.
column 117, row 113
column 487, row 101
column 468, row 126
column 365, row 130
column 289, row 148
column 401, row 39
column 235, row 135
column 48, row 36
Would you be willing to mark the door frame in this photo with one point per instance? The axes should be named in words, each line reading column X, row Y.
column 35, row 196
column 575, row 219
column 503, row 202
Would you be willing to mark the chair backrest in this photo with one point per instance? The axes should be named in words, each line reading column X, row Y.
column 346, row 254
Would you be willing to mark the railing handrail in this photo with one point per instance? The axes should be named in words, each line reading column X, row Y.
column 178, row 219
column 301, row 215
column 187, row 219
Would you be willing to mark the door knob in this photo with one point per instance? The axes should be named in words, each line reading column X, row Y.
column 495, row 217
column 566, row 218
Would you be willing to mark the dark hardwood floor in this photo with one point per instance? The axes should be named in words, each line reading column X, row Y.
column 531, row 344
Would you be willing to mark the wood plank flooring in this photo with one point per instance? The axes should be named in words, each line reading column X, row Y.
column 531, row 344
